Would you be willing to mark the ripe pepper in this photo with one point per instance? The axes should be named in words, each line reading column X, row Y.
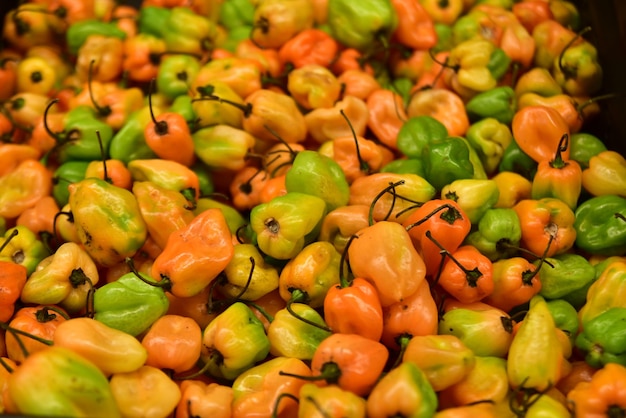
column 141, row 57
column 359, row 156
column 22, row 246
column 233, row 342
column 444, row 359
column 416, row 26
column 35, row 75
column 96, row 203
column 78, row 32
column 489, row 137
column 290, row 336
column 332, row 401
column 558, row 178
column 404, row 391
column 31, row 329
column 285, row 224
column 100, row 58
column 499, row 103
column 468, row 72
column 313, row 86
column 209, row 111
column 241, row 75
column 21, row 188
column 309, row 274
column 474, row 196
column 515, row 281
column 602, row 338
column 499, row 233
column 275, row 21
column 199, row 398
column 537, row 80
column 74, row 386
column 386, row 115
column 606, row 174
column 129, row 303
column 164, row 211
column 538, row 130
column 604, row 394
column 258, row 390
column 311, row 46
column 363, row 25
column 551, row 37
column 442, row 104
column 195, row 254
column 535, row 357
column 564, row 274
column 547, row 225
column 147, row 391
column 248, row 275
column 327, row 124
column 111, row 350
column 341, row 223
column 599, row 225
column 12, row 280
column 482, row 328
column 65, row 277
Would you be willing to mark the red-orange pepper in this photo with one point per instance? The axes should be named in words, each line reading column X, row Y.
column 387, row 115
column 518, row 44
column 350, row 59
column 23, row 187
column 537, row 130
column 442, row 104
column 416, row 28
column 140, row 61
column 12, row 279
column 40, row 218
column 202, row 399
column 8, row 78
column 311, row 46
column 267, row 58
column 530, row 13
column 173, row 342
column 515, row 281
column 246, row 187
column 467, row 275
column 358, row 156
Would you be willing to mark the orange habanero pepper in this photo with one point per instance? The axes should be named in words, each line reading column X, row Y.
column 442, row 104
column 416, row 27
column 387, row 115
column 538, row 130
column 311, row 46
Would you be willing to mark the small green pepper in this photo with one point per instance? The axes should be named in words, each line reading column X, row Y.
column 417, row 132
column 489, row 137
column 129, row 143
column 24, row 248
column 583, row 146
column 498, row 235
column 78, row 32
column 603, row 338
column 565, row 274
column 404, row 166
column 446, row 160
column 152, row 20
column 83, row 135
column 517, row 161
column 499, row 103
column 600, row 226
column 65, row 174
column 565, row 317
column 175, row 75
column 130, row 304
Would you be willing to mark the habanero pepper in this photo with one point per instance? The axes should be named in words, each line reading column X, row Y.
column 537, row 130
column 310, row 46
column 515, row 281
column 331, row 400
column 248, row 275
column 276, row 22
column 599, row 225
column 604, row 394
column 23, row 187
column 386, row 115
column 199, row 398
column 498, row 233
column 313, row 86
column 325, row 124
column 416, row 27
column 606, row 174
column 34, row 327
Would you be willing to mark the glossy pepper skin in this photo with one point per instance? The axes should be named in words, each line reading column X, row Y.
column 78, row 32
column 490, row 138
column 417, row 132
column 446, row 160
column 234, row 342
column 24, row 248
column 566, row 274
column 73, row 386
column 599, row 225
column 498, row 230
column 606, row 174
column 129, row 304
column 602, row 338
column 108, row 220
column 361, row 25
column 499, row 103
column 194, row 255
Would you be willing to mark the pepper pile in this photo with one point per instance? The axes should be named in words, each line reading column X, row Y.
column 281, row 208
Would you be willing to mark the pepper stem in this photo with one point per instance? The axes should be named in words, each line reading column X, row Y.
column 343, row 280
column 330, row 372
column 472, row 276
column 102, row 111
column 300, row 296
column 450, row 215
column 558, row 162
column 566, row 71
column 207, row 94
column 280, row 398
column 391, row 186
column 363, row 166
column 165, row 283
column 8, row 239
column 160, row 127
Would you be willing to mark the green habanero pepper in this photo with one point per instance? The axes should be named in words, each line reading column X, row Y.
column 236, row 13
column 603, row 338
column 498, row 235
column 233, row 217
column 600, row 225
column 564, row 274
column 318, row 175
column 175, row 74
column 223, row 146
column 233, row 342
column 489, row 137
column 417, row 132
column 285, row 224
column 565, row 317
column 517, row 161
column 475, row 196
column 446, row 160
column 130, row 304
column 361, row 24
column 583, row 146
column 129, row 143
column 65, row 174
column 108, row 220
column 404, row 166
column 499, row 103
column 152, row 20
column 498, row 63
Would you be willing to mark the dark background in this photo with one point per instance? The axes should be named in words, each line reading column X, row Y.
column 607, row 19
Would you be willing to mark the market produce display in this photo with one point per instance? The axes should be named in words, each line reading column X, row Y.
column 308, row 208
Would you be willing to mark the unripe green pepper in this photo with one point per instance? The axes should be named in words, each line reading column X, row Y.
column 489, row 137
column 83, row 135
column 285, row 224
column 130, row 304
column 600, row 227
column 446, row 160
column 108, row 220
column 223, row 146
column 405, row 166
column 417, row 132
column 318, row 175
column 565, row 317
column 129, row 143
column 499, row 103
column 289, row 336
column 236, row 13
column 517, row 161
column 152, row 20
column 499, row 232
column 361, row 24
column 603, row 338
column 24, row 248
column 64, row 175
column 233, row 342
column 56, row 381
column 563, row 274
column 234, row 219
column 175, row 75
column 583, row 146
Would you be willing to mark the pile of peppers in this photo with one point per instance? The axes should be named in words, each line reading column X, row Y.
column 301, row 208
